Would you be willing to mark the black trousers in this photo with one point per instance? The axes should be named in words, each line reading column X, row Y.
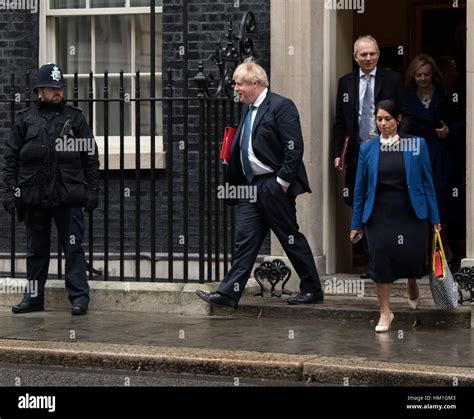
column 69, row 222
column 273, row 209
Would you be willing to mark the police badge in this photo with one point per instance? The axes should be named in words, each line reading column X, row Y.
column 56, row 74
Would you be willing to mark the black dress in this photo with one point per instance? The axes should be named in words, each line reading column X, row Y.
column 396, row 237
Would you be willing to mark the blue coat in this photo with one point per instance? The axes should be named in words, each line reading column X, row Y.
column 419, row 181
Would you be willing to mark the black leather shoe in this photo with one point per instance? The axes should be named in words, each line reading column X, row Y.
column 218, row 299
column 79, row 310
column 364, row 275
column 309, row 298
column 27, row 307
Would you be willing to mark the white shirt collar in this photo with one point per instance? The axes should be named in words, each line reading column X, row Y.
column 390, row 140
column 373, row 72
column 260, row 98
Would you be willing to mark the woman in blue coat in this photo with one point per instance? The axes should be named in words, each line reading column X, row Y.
column 394, row 200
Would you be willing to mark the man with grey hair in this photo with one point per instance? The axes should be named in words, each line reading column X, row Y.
column 357, row 94
column 266, row 154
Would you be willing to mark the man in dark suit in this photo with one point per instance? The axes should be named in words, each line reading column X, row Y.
column 266, row 156
column 356, row 104
column 357, row 94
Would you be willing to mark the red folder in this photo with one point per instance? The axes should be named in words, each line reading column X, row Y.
column 229, row 133
column 345, row 148
column 438, row 264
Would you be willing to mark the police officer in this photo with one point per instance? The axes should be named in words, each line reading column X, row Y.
column 51, row 171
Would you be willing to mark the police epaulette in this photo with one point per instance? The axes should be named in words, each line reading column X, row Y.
column 22, row 111
column 77, row 108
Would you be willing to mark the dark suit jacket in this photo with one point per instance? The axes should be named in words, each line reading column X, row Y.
column 419, row 182
column 276, row 141
column 388, row 85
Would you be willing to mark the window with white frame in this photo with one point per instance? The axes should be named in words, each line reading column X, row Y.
column 108, row 35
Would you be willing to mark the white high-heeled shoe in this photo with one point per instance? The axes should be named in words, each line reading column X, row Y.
column 414, row 303
column 382, row 328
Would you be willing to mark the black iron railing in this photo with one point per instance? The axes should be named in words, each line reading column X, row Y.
column 212, row 240
column 199, row 227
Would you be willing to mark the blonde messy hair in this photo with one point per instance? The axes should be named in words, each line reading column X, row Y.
column 418, row 62
column 251, row 72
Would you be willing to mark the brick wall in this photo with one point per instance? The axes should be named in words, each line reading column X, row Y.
column 19, row 36
column 207, row 22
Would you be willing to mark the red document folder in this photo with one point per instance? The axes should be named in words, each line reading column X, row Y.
column 229, row 133
column 345, row 148
column 438, row 264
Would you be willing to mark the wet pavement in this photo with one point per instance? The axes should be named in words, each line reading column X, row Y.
column 323, row 337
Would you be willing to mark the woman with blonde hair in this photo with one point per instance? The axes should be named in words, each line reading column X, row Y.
column 416, row 64
column 435, row 119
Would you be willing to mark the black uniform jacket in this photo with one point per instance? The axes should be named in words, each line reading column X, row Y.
column 51, row 157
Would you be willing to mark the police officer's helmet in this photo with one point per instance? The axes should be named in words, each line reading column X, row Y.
column 49, row 75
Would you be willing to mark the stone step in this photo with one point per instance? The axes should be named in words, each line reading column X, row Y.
column 355, row 309
column 350, row 285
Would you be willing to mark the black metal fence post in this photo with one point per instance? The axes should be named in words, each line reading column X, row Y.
column 169, row 176
column 202, row 104
column 225, row 211
column 214, row 192
column 106, row 176
column 91, row 214
column 185, row 61
column 185, row 155
column 137, row 182
column 209, row 190
column 122, row 172
column 76, row 89
column 201, row 81
column 12, row 218
column 152, row 139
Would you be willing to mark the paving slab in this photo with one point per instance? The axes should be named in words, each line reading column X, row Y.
column 343, row 338
column 363, row 309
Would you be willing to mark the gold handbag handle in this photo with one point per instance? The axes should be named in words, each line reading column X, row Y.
column 437, row 240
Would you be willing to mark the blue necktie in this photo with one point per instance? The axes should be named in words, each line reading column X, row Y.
column 366, row 116
column 244, row 145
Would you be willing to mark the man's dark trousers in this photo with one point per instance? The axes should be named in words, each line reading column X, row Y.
column 273, row 209
column 69, row 222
